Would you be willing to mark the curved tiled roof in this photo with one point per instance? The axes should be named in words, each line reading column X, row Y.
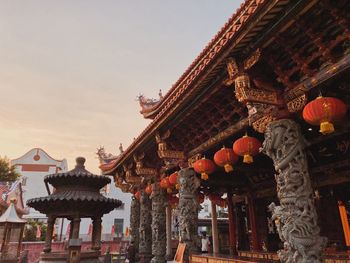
column 209, row 53
column 79, row 176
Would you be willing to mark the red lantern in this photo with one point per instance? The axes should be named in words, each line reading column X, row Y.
column 247, row 147
column 204, row 167
column 225, row 158
column 148, row 189
column 323, row 111
column 173, row 178
column 137, row 195
column 164, row 183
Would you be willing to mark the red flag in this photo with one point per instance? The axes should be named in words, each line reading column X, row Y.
column 113, row 230
column 68, row 230
column 38, row 232
column 90, row 230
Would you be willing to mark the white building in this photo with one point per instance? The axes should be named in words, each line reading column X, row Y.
column 33, row 166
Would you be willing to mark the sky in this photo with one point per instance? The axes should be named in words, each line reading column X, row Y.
column 70, row 71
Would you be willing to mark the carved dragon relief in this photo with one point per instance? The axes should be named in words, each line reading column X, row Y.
column 296, row 217
column 159, row 203
column 145, row 231
column 188, row 209
column 135, row 222
column 171, row 158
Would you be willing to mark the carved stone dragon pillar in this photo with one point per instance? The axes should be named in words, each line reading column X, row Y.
column 159, row 203
column 188, row 211
column 145, row 245
column 135, row 222
column 295, row 217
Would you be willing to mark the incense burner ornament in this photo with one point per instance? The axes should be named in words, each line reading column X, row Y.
column 295, row 217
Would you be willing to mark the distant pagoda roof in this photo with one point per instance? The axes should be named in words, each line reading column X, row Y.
column 76, row 191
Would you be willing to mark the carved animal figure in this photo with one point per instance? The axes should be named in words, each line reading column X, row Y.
column 295, row 218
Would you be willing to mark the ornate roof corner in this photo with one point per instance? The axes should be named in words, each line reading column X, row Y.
column 149, row 106
column 108, row 160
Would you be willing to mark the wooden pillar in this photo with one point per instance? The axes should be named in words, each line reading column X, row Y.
column 232, row 225
column 169, row 251
column 214, row 228
column 76, row 227
column 345, row 222
column 96, row 233
column 252, row 221
column 49, row 232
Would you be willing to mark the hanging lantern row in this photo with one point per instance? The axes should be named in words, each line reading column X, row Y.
column 324, row 111
column 246, row 146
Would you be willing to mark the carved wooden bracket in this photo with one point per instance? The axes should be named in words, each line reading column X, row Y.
column 119, row 182
column 146, row 172
column 129, row 174
column 170, row 157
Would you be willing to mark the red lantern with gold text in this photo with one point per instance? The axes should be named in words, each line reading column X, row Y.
column 324, row 111
column 148, row 189
column 204, row 167
column 137, row 195
column 247, row 147
column 225, row 158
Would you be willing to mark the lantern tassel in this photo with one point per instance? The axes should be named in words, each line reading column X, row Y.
column 169, row 191
column 247, row 158
column 228, row 168
column 177, row 186
column 326, row 127
column 204, row 176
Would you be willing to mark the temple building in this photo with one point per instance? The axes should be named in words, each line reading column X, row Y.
column 258, row 123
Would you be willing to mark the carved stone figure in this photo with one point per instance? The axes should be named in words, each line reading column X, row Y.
column 188, row 210
column 159, row 203
column 135, row 222
column 295, row 218
column 145, row 245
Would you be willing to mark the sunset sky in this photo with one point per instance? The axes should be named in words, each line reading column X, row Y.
column 70, row 71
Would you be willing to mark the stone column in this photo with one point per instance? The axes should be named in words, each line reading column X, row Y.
column 135, row 222
column 96, row 233
column 295, row 217
column 188, row 211
column 49, row 232
column 214, row 228
column 145, row 245
column 159, row 202
column 169, row 252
